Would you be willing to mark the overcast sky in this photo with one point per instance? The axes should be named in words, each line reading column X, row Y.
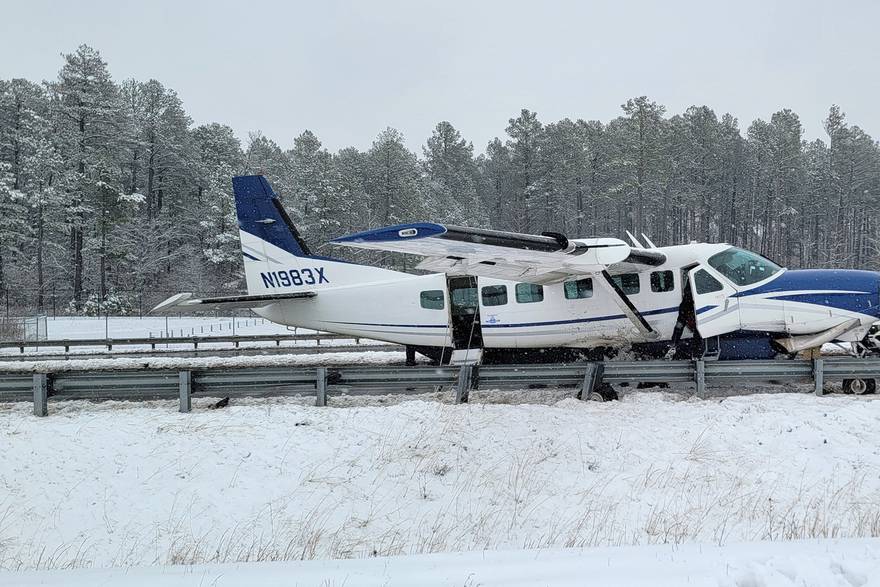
column 347, row 70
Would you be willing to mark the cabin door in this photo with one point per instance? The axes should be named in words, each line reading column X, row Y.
column 716, row 312
column 464, row 310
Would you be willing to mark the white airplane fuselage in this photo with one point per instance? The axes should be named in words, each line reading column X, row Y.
column 388, row 306
column 566, row 293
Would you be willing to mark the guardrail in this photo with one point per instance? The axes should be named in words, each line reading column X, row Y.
column 322, row 382
column 193, row 340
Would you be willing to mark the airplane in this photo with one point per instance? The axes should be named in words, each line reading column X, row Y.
column 495, row 296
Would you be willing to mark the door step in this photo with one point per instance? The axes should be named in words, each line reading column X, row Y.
column 466, row 357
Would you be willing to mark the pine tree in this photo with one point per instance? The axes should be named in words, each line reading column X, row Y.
column 643, row 129
column 497, row 185
column 451, row 173
column 351, row 169
column 394, row 180
column 218, row 158
column 314, row 193
column 87, row 109
column 525, row 134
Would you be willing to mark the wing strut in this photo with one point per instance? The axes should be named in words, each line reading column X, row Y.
column 629, row 310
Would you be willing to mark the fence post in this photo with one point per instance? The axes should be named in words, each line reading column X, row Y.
column 465, row 381
column 321, row 387
column 819, row 376
column 41, row 394
column 592, row 379
column 700, row 377
column 185, row 386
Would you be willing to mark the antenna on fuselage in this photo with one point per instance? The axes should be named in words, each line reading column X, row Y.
column 634, row 240
column 647, row 240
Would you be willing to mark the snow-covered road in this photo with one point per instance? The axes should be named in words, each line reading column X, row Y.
column 117, row 484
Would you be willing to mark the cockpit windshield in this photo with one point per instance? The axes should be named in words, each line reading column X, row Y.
column 743, row 267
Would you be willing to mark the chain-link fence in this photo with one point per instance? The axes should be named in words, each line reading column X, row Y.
column 18, row 302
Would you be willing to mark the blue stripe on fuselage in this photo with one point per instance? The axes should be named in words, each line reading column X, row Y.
column 826, row 279
column 840, row 282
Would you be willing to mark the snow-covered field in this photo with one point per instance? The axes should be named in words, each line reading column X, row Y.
column 117, row 484
column 84, row 327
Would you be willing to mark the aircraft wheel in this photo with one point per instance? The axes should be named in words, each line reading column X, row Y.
column 859, row 386
column 608, row 393
column 595, row 396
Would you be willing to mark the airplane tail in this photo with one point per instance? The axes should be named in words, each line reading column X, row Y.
column 276, row 258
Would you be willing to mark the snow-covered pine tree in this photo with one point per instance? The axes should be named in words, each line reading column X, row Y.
column 452, row 177
column 218, row 157
column 526, row 134
column 350, row 173
column 86, row 107
column 497, row 184
column 314, row 194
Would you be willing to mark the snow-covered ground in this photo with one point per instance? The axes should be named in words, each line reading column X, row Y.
column 84, row 327
column 826, row 563
column 120, row 484
column 205, row 362
column 81, row 328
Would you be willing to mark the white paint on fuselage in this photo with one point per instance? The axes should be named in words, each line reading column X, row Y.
column 385, row 305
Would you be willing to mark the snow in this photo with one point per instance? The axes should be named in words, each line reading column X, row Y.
column 828, row 563
column 84, row 327
column 80, row 328
column 205, row 362
column 117, row 484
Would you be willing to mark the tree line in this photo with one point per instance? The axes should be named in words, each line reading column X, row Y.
column 107, row 188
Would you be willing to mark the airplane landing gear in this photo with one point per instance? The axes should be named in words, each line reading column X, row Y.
column 603, row 393
column 871, row 342
column 859, row 386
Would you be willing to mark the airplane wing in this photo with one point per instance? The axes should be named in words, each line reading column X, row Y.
column 184, row 302
column 538, row 259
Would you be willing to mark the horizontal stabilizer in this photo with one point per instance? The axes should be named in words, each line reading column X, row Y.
column 184, row 302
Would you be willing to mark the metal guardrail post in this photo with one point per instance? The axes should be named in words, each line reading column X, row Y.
column 700, row 376
column 185, row 386
column 41, row 394
column 819, row 376
column 465, row 380
column 321, row 387
column 592, row 379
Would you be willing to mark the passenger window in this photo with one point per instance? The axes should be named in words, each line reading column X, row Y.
column 575, row 290
column 432, row 299
column 494, row 295
column 628, row 282
column 705, row 283
column 527, row 293
column 662, row 281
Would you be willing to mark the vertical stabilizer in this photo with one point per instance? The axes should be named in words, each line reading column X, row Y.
column 276, row 258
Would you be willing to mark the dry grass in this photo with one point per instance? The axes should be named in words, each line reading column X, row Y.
column 435, row 483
